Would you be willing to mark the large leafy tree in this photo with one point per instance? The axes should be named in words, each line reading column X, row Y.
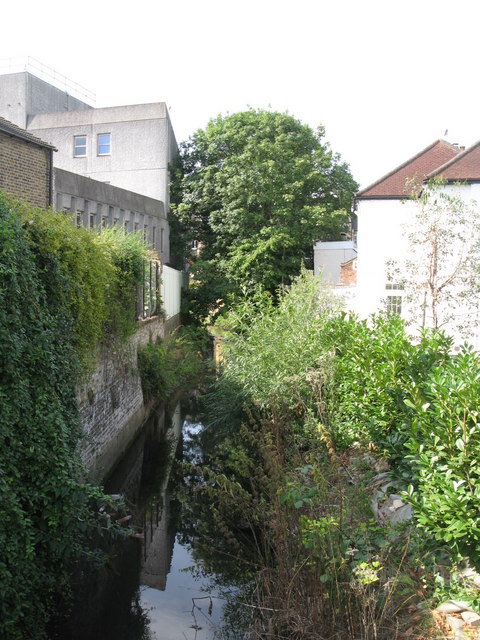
column 255, row 189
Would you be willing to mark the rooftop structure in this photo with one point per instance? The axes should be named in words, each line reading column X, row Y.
column 400, row 182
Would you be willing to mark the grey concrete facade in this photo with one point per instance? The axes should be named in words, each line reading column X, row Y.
column 329, row 256
column 23, row 95
column 100, row 204
column 141, row 141
column 141, row 138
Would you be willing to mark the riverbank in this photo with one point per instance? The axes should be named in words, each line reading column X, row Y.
column 309, row 404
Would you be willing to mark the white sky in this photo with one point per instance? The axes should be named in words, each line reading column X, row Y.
column 386, row 78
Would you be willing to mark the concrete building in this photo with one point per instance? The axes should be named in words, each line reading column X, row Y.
column 96, row 204
column 25, row 165
column 27, row 88
column 129, row 146
column 328, row 258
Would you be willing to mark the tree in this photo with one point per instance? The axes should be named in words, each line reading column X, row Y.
column 440, row 273
column 255, row 190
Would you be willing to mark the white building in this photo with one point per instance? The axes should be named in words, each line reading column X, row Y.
column 384, row 210
column 386, row 215
column 328, row 258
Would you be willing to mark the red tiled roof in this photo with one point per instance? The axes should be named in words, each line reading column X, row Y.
column 417, row 168
column 465, row 166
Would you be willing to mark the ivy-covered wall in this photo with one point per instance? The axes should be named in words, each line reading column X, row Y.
column 64, row 292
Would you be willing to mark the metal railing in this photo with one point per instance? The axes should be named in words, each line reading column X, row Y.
column 44, row 72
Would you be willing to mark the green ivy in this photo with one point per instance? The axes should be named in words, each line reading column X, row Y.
column 55, row 306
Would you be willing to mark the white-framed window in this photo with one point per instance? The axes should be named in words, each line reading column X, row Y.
column 79, row 146
column 395, row 298
column 394, row 305
column 103, row 144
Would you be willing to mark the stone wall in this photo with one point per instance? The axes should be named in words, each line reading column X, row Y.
column 25, row 170
column 111, row 402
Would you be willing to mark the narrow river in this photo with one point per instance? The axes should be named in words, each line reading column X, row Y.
column 154, row 587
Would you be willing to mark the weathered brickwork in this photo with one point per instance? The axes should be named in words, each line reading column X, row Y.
column 25, row 170
column 111, row 403
column 348, row 272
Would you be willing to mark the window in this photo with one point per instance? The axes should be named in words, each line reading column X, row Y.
column 392, row 286
column 394, row 305
column 154, row 237
column 92, row 221
column 394, row 301
column 145, row 232
column 161, row 240
column 79, row 146
column 103, row 144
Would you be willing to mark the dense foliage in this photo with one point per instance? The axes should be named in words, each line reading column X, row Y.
column 180, row 361
column 92, row 275
column 320, row 397
column 255, row 190
column 55, row 305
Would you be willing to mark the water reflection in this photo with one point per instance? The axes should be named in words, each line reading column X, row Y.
column 153, row 587
column 178, row 600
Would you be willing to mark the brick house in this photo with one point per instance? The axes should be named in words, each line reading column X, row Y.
column 26, row 165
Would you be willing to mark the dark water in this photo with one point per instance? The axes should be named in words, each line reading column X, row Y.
column 155, row 589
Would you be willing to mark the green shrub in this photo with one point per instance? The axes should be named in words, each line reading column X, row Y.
column 377, row 364
column 445, row 451
column 271, row 352
column 46, row 514
column 127, row 254
column 92, row 274
column 177, row 363
column 152, row 364
column 74, row 273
